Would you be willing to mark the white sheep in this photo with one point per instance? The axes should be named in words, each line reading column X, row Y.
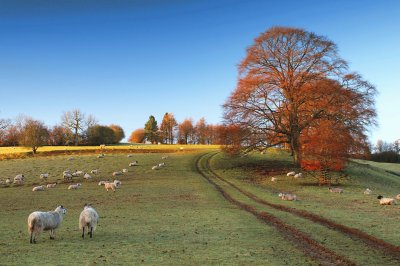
column 77, row 173
column 102, row 183
column 8, row 181
column 76, row 186
column 87, row 176
column 94, row 171
column 155, row 167
column 336, row 190
column 38, row 188
column 398, row 197
column 291, row 173
column 100, row 156
column 129, row 155
column 299, row 175
column 285, row 196
column 367, row 191
column 386, row 201
column 117, row 173
column 67, row 176
column 274, row 179
column 43, row 221
column 124, row 170
column 88, row 218
column 161, row 164
column 71, row 158
column 51, row 185
column 44, row 176
column 164, row 157
column 19, row 179
column 135, row 163
column 113, row 185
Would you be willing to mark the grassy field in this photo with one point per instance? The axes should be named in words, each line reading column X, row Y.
column 173, row 216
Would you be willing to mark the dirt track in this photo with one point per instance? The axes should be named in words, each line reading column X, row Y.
column 355, row 234
column 302, row 241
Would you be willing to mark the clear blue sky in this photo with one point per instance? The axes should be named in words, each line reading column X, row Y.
column 122, row 61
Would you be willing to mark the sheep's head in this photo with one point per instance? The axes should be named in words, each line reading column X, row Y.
column 61, row 209
column 379, row 197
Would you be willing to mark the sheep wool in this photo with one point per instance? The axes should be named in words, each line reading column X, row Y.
column 88, row 218
column 43, row 221
column 386, row 201
column 38, row 188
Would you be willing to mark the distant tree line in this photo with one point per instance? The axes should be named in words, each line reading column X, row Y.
column 172, row 132
column 75, row 128
column 386, row 152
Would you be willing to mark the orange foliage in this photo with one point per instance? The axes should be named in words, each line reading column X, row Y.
column 137, row 136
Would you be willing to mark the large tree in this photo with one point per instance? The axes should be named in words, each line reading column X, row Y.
column 77, row 122
column 33, row 134
column 289, row 79
column 118, row 133
column 186, row 131
column 167, row 128
column 151, row 130
column 97, row 135
column 201, row 131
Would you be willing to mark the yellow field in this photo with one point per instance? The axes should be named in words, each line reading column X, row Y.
column 22, row 150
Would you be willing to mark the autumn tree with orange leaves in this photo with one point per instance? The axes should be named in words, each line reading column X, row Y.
column 137, row 136
column 290, row 81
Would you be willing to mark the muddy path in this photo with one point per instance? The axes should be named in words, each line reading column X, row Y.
column 301, row 240
column 355, row 234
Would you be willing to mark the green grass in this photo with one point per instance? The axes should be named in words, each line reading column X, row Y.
column 352, row 208
column 167, row 217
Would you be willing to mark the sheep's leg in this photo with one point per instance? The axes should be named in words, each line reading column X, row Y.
column 32, row 239
column 52, row 234
column 91, row 231
column 83, row 232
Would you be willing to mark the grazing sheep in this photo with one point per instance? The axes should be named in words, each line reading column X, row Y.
column 51, row 185
column 129, row 155
column 87, row 176
column 76, row 186
column 274, row 179
column 113, row 185
column 299, row 175
column 386, row 201
column 77, row 173
column 285, row 196
column 88, row 217
column 135, row 163
column 367, row 192
column 102, row 183
column 71, row 158
column 38, row 188
column 19, row 179
column 124, row 170
column 291, row 173
column 398, row 197
column 161, row 164
column 44, row 221
column 155, row 167
column 94, row 171
column 44, row 176
column 8, row 181
column 100, row 156
column 67, row 176
column 164, row 157
column 117, row 173
column 336, row 190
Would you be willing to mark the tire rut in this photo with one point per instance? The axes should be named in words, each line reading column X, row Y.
column 353, row 233
column 301, row 240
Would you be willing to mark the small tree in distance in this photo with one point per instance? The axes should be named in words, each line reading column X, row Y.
column 151, row 130
column 34, row 134
column 137, row 136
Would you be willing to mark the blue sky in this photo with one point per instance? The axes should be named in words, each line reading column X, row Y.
column 123, row 61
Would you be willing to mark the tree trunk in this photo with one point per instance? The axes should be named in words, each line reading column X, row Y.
column 295, row 147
